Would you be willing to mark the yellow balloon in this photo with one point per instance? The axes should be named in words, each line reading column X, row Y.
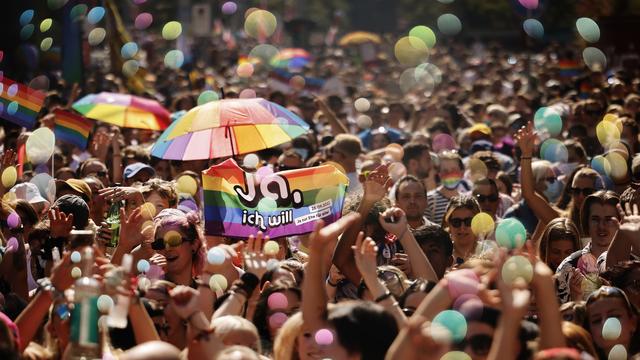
column 172, row 238
column 9, row 177
column 271, row 247
column 482, row 224
column 218, row 281
column 148, row 210
column 186, row 185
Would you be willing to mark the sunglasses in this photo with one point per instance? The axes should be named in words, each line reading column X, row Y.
column 100, row 173
column 583, row 191
column 480, row 344
column 483, row 198
column 551, row 180
column 161, row 244
column 457, row 222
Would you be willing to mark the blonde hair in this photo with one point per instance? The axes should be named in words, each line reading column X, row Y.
column 285, row 346
column 228, row 324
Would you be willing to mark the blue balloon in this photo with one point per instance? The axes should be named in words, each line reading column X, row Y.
column 26, row 17
column 95, row 15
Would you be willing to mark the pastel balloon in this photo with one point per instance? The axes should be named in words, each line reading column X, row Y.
column 40, row 145
column 78, row 12
column 618, row 352
column 229, row 8
column 76, row 257
column 26, row 17
column 186, row 185
column 449, row 24
column 277, row 300
column 277, row 320
column 588, row 29
column 171, row 30
column 271, row 247
column 45, row 25
column 362, row 104
column 533, row 28
column 323, row 337
column 611, row 329
column 207, row 96
column 250, row 161
column 95, row 15
column 510, row 233
column 174, row 59
column 143, row 266
column 215, row 256
column 482, row 224
column 143, row 21
column 12, row 245
column 105, row 303
column 76, row 272
column 13, row 220
column 96, row 36
column 529, row 4
column 9, row 177
column 517, row 267
column 218, row 282
column 454, row 323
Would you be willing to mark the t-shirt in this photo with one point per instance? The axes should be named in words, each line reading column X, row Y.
column 587, row 264
column 354, row 183
column 436, row 206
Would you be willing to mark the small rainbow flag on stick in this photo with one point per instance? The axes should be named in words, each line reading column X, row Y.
column 72, row 128
column 19, row 103
column 238, row 204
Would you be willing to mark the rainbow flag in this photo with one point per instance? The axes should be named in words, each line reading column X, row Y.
column 569, row 68
column 19, row 103
column 238, row 204
column 72, row 128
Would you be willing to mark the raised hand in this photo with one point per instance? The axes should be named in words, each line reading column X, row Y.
column 394, row 220
column 160, row 261
column 227, row 267
column 575, row 284
column 525, row 139
column 323, row 235
column 255, row 260
column 365, row 251
column 630, row 219
column 61, row 224
column 377, row 184
column 131, row 234
column 184, row 300
column 119, row 193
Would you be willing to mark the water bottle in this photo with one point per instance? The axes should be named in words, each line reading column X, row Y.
column 113, row 220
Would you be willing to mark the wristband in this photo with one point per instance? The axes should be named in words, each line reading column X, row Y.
column 525, row 157
column 246, row 284
column 383, row 297
column 331, row 284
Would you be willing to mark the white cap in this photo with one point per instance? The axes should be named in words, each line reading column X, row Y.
column 28, row 191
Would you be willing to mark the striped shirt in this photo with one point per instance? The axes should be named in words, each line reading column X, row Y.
column 436, row 206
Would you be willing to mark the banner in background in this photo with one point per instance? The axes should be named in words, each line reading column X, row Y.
column 238, row 204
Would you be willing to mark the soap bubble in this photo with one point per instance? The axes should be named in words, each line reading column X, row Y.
column 510, row 233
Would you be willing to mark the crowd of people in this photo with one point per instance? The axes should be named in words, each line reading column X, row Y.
column 404, row 274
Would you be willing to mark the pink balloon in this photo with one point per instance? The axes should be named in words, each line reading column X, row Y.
column 13, row 220
column 469, row 305
column 12, row 245
column 324, row 337
column 529, row 4
column 277, row 301
column 443, row 142
column 155, row 272
column 277, row 320
column 143, row 21
column 229, row 8
column 460, row 282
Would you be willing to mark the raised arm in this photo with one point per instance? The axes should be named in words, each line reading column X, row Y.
column 420, row 265
column 525, row 139
column 627, row 238
column 375, row 188
column 515, row 302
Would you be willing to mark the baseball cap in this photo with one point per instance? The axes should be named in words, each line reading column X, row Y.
column 131, row 170
column 28, row 191
column 79, row 186
column 73, row 204
column 480, row 128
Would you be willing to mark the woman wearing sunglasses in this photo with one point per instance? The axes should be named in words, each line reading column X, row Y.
column 179, row 240
column 457, row 221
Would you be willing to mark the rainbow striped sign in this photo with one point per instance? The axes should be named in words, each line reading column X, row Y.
column 72, row 128
column 19, row 103
column 238, row 204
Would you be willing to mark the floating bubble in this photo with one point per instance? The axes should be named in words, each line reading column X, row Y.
column 517, row 267
column 533, row 28
column 408, row 81
column 216, row 256
column 529, row 4
column 554, row 150
column 129, row 50
column 172, row 238
column 143, row 266
column 218, row 282
column 271, row 248
column 297, row 82
column 443, row 142
column 56, row 4
column 433, row 71
column 267, row 205
column 449, row 24
column 260, row 24
column 78, row 12
column 265, row 53
column 40, row 145
column 174, row 59
column 105, row 303
column 12, row 108
column 130, row 67
column 250, row 161
column 171, row 30
column 425, row 34
column 9, row 177
column 323, row 337
column 45, row 25
column 207, row 96
column 456, row 355
column 510, row 233
column 247, row 94
column 454, row 323
column 245, row 70
column 277, row 320
column 482, row 224
column 76, row 272
column 143, row 21
column 26, row 31
column 186, row 185
column 26, row 17
column 46, row 185
column 364, row 121
column 607, row 133
column 362, row 104
column 411, row 51
column 76, row 257
column 229, row 8
column 95, row 15
column 588, row 29
column 611, row 329
column 96, row 36
column 618, row 166
column 277, row 300
column 148, row 211
column 40, row 83
column 618, row 352
column 12, row 90
column 547, row 119
column 594, row 58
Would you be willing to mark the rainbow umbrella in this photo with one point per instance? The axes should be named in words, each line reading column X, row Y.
column 227, row 128
column 124, row 110
column 292, row 58
column 359, row 37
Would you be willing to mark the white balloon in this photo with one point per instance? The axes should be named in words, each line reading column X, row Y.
column 40, row 145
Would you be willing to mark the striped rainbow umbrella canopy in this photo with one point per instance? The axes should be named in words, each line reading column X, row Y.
column 124, row 110
column 227, row 128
